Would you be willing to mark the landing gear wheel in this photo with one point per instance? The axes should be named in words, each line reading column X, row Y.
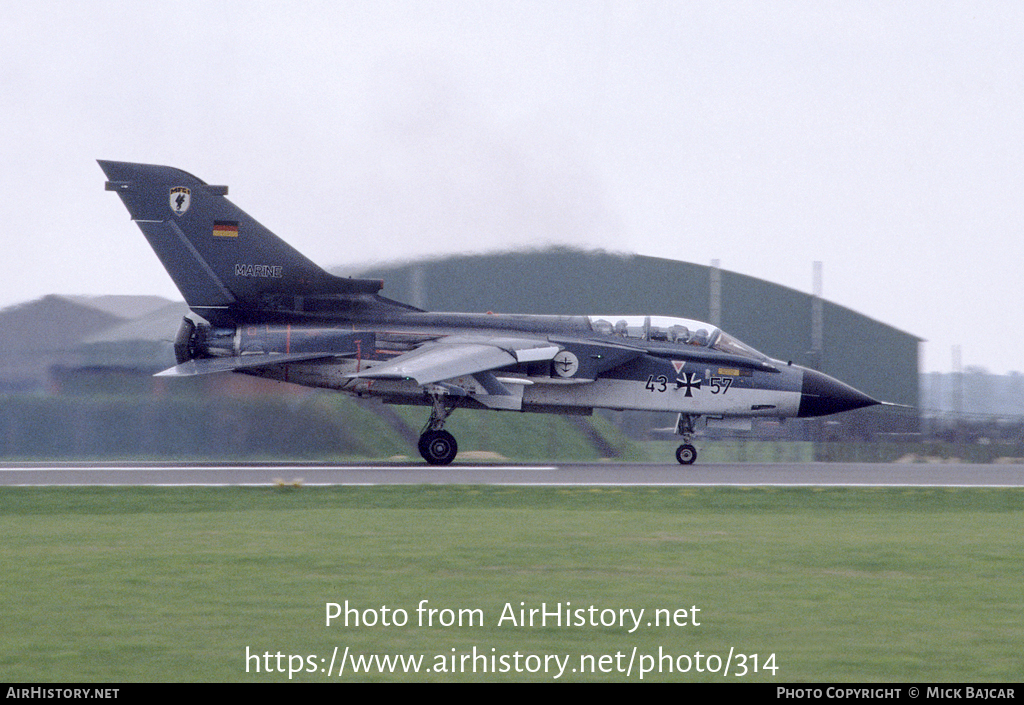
column 438, row 447
column 686, row 454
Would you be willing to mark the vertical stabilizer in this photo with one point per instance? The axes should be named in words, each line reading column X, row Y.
column 222, row 260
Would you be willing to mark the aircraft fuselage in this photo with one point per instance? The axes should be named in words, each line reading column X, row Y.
column 655, row 376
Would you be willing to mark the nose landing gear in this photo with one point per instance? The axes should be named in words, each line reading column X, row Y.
column 686, row 454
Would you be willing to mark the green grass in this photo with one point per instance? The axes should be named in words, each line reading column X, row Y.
column 313, row 426
column 154, row 584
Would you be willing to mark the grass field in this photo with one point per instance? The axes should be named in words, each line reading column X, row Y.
column 161, row 584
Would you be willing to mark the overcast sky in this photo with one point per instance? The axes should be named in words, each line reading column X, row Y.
column 884, row 139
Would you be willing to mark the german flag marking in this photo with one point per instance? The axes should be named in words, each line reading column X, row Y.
column 225, row 228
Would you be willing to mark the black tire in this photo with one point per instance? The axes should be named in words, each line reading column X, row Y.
column 686, row 454
column 438, row 447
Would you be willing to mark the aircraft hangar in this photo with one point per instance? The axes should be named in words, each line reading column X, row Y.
column 781, row 322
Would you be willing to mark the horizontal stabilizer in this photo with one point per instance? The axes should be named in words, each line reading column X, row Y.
column 213, row 365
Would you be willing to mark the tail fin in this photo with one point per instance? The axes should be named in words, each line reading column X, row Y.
column 224, row 262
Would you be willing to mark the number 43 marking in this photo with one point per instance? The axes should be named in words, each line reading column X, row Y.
column 659, row 384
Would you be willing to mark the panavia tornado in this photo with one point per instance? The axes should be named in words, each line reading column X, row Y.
column 259, row 307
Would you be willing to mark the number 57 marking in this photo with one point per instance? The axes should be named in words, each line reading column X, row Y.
column 720, row 385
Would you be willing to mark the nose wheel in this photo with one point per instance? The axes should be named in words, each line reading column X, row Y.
column 686, row 454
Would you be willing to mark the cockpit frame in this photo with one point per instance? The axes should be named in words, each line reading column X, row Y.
column 673, row 330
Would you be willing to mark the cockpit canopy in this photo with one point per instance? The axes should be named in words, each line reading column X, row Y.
column 678, row 331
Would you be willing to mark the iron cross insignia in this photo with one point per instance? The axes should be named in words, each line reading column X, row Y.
column 691, row 382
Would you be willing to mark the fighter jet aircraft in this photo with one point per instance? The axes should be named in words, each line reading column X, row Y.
column 261, row 308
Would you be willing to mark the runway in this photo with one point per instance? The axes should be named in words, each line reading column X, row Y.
column 568, row 474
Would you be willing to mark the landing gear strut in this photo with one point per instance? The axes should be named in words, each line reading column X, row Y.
column 437, row 446
column 686, row 454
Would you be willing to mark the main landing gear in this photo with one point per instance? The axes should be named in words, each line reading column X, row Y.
column 437, row 446
column 686, row 454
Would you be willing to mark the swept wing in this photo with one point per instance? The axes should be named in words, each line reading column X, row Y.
column 453, row 357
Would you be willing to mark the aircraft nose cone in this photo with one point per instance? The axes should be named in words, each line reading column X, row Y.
column 821, row 395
